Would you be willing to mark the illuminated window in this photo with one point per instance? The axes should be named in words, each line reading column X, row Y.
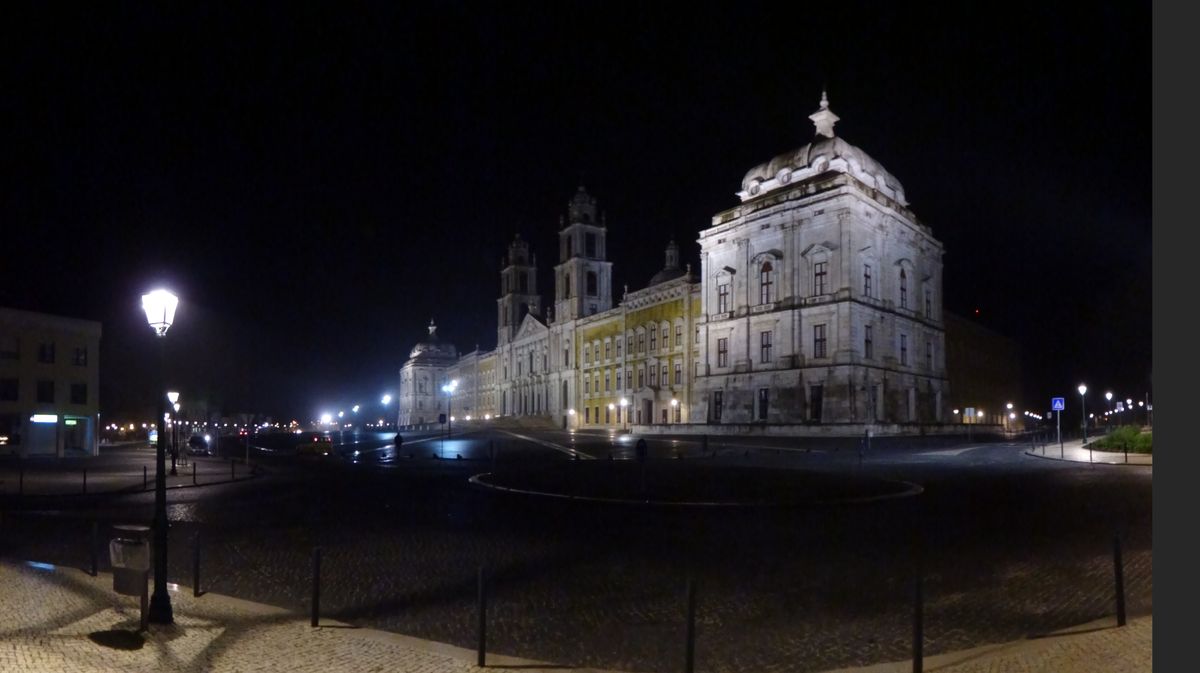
column 766, row 283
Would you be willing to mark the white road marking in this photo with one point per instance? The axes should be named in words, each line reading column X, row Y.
column 551, row 445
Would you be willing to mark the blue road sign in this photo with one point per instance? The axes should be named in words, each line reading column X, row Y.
column 1056, row 404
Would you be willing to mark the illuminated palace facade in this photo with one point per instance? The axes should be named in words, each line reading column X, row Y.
column 818, row 303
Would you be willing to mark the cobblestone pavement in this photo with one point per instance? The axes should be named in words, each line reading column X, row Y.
column 1013, row 546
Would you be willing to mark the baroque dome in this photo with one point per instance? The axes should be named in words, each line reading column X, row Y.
column 432, row 347
column 826, row 152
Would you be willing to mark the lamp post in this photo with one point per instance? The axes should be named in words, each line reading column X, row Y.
column 674, row 410
column 1108, row 401
column 1007, row 424
column 173, row 398
column 1083, row 409
column 449, row 389
column 624, row 412
column 159, row 306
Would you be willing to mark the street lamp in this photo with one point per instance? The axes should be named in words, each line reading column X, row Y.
column 624, row 412
column 1083, row 409
column 611, row 406
column 174, row 432
column 449, row 389
column 384, row 401
column 675, row 409
column 159, row 306
column 1010, row 416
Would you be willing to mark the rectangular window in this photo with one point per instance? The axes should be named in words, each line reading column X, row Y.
column 628, row 377
column 816, row 402
column 766, row 283
column 929, row 354
column 641, row 376
column 618, row 341
column 641, row 342
column 904, row 349
column 868, row 343
column 587, row 385
column 723, row 298
column 819, row 274
column 819, row 341
column 653, row 337
column 678, row 336
column 46, row 352
column 903, row 289
column 10, row 347
column 718, row 404
column 928, row 304
column 722, row 352
column 666, row 377
column 607, row 412
column 587, row 354
column 629, row 344
column 618, row 379
column 607, row 350
column 587, row 414
column 653, row 375
column 763, row 398
column 697, row 335
column 81, row 356
column 866, row 280
column 45, row 392
column 78, row 393
column 606, row 381
column 764, row 346
column 678, row 373
column 9, row 390
column 589, row 243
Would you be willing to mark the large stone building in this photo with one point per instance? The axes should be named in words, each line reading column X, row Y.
column 49, row 384
column 818, row 302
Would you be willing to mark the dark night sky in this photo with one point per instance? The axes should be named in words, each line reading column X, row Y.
column 316, row 183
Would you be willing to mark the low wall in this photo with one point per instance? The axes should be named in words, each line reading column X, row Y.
column 818, row 430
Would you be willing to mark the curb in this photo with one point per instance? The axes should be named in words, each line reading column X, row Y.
column 1086, row 462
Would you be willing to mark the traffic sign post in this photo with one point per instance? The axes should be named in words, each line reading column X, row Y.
column 1057, row 404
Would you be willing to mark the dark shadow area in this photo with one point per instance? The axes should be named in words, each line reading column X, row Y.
column 118, row 639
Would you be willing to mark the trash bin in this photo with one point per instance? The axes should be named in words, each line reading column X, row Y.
column 129, row 554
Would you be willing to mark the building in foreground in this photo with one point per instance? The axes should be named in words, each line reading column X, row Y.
column 49, row 384
column 818, row 302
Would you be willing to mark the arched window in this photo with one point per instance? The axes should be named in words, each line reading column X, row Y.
column 766, row 283
column 591, row 283
column 903, row 289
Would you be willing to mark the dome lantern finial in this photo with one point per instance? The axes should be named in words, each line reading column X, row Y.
column 432, row 328
column 824, row 118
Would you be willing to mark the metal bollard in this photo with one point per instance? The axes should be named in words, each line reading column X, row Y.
column 94, row 545
column 1119, row 576
column 918, row 617
column 690, row 648
column 196, row 565
column 21, row 481
column 194, row 473
column 145, row 478
column 481, row 650
column 85, row 481
column 316, row 585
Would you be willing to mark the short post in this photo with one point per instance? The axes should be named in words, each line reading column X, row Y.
column 94, row 545
column 918, row 615
column 21, row 480
column 690, row 646
column 194, row 473
column 196, row 565
column 145, row 480
column 85, row 480
column 232, row 469
column 481, row 650
column 316, row 585
column 1119, row 576
column 703, row 444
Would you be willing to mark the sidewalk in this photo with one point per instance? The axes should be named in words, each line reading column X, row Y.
column 54, row 479
column 51, row 612
column 1075, row 451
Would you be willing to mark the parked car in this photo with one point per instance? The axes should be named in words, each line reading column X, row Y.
column 318, row 445
column 200, row 445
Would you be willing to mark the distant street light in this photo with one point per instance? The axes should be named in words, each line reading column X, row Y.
column 384, row 401
column 355, row 409
column 1083, row 408
column 624, row 412
column 159, row 306
column 449, row 389
column 675, row 410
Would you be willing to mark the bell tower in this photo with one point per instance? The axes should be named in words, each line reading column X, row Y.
column 518, row 290
column 583, row 277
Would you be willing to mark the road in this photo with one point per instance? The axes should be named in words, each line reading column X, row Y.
column 1013, row 545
